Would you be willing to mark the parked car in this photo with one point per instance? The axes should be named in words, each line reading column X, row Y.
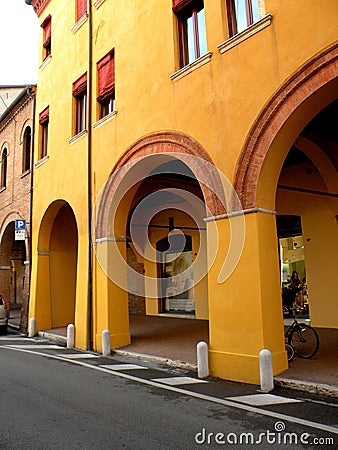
column 3, row 314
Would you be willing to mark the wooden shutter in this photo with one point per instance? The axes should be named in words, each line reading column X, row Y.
column 80, row 85
column 106, row 76
column 81, row 8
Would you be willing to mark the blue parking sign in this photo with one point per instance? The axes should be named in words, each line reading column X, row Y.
column 20, row 224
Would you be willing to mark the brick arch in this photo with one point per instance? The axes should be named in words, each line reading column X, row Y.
column 303, row 84
column 162, row 143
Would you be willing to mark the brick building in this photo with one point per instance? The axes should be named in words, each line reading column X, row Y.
column 16, row 129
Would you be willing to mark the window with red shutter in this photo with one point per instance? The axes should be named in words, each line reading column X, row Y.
column 80, row 96
column 44, row 124
column 106, row 84
column 81, row 8
column 47, row 36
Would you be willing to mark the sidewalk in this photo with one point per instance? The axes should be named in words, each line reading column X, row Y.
column 173, row 341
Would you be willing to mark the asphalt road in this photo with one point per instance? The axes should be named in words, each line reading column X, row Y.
column 55, row 398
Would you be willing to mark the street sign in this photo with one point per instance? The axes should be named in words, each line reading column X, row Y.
column 20, row 224
column 20, row 235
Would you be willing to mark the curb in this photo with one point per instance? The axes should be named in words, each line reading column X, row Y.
column 157, row 360
column 286, row 383
column 308, row 386
column 60, row 340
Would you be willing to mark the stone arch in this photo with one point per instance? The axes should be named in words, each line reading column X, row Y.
column 286, row 111
column 162, row 143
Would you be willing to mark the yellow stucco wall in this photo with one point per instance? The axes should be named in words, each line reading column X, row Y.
column 216, row 105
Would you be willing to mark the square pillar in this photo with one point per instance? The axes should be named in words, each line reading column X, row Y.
column 245, row 310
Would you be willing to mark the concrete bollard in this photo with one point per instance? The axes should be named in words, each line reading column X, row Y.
column 70, row 335
column 266, row 372
column 106, row 343
column 202, row 360
column 31, row 327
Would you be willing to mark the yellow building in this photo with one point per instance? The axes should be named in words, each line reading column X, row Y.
column 186, row 161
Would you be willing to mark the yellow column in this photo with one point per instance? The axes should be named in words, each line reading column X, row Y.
column 245, row 310
column 111, row 305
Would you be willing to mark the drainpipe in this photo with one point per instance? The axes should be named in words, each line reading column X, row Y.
column 89, row 180
column 31, row 92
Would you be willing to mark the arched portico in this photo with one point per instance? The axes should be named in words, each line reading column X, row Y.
column 54, row 288
column 145, row 169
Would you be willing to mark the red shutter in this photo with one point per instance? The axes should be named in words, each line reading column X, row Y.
column 179, row 4
column 47, row 30
column 106, row 76
column 44, row 115
column 80, row 85
column 81, row 8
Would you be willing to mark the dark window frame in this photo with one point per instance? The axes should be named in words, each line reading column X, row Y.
column 233, row 16
column 191, row 10
column 26, row 151
column 3, row 177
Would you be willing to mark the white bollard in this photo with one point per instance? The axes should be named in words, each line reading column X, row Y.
column 202, row 360
column 70, row 336
column 106, row 343
column 266, row 372
column 31, row 327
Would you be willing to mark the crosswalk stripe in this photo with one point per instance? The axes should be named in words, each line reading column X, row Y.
column 36, row 346
column 78, row 355
column 122, row 366
column 176, row 381
column 262, row 399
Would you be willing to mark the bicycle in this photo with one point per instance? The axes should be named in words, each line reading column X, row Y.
column 302, row 338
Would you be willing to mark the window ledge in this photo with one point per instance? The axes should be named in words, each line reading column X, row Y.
column 245, row 34
column 45, row 62
column 191, row 67
column 3, row 189
column 104, row 119
column 77, row 136
column 98, row 3
column 41, row 161
column 79, row 23
column 25, row 173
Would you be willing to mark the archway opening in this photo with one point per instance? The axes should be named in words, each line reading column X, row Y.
column 63, row 267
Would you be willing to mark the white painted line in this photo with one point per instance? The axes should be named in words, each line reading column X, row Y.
column 36, row 346
column 263, row 399
column 208, row 398
column 177, row 381
column 78, row 355
column 123, row 367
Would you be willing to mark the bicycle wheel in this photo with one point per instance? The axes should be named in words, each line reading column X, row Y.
column 305, row 341
column 290, row 351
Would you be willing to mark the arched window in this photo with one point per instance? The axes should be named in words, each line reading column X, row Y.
column 3, row 168
column 26, row 152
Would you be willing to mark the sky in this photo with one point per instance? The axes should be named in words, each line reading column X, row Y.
column 19, row 30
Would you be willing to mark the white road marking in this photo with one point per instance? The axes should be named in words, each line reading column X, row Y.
column 37, row 346
column 262, row 399
column 123, row 366
column 177, row 381
column 208, row 398
column 79, row 355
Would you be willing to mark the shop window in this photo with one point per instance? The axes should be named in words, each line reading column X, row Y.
column 80, row 101
column 106, row 85
column 176, row 273
column 241, row 14
column 47, row 36
column 26, row 154
column 81, row 8
column 44, row 124
column 3, row 177
column 191, row 30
